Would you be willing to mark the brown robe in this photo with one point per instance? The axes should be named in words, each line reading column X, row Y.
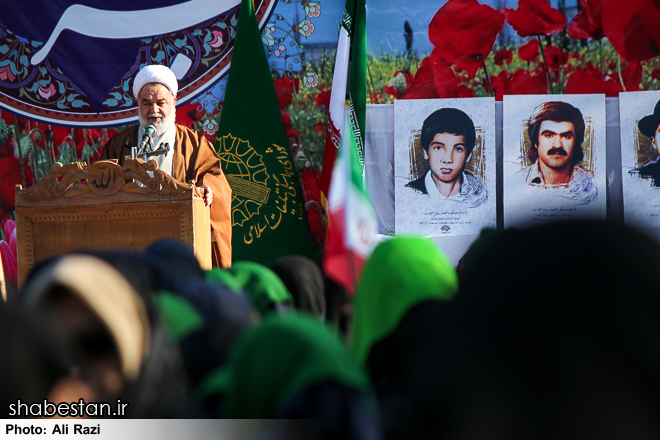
column 194, row 160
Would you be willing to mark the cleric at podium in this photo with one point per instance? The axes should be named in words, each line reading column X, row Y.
column 190, row 158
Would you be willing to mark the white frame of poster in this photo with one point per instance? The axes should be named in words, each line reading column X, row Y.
column 528, row 198
column 641, row 191
column 433, row 214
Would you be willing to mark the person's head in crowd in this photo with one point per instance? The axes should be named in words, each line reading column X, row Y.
column 544, row 341
column 400, row 273
column 32, row 360
column 304, row 281
column 205, row 320
column 143, row 274
column 102, row 318
column 155, row 88
column 176, row 257
column 112, row 330
column 465, row 261
column 293, row 366
column 265, row 289
column 339, row 306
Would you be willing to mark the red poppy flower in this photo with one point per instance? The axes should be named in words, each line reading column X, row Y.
column 187, row 114
column 285, row 87
column 398, row 84
column 315, row 219
column 7, row 117
column 588, row 23
column 110, row 132
column 655, row 73
column 535, row 17
column 97, row 156
column 632, row 28
column 524, row 83
column 445, row 80
column 59, row 134
column 391, row 90
column 632, row 76
column 293, row 133
column 463, row 91
column 484, row 84
column 10, row 119
column 79, row 140
column 503, row 56
column 555, row 57
column 463, row 33
column 423, row 85
column 589, row 81
column 323, row 99
column 501, row 84
column 316, row 216
column 529, row 51
column 520, row 83
column 7, row 148
column 10, row 176
column 408, row 75
column 94, row 135
column 286, row 119
column 319, row 127
column 290, row 131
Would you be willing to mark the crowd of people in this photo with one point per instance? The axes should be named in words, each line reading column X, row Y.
column 545, row 332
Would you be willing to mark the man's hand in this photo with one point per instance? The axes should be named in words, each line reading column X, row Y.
column 208, row 194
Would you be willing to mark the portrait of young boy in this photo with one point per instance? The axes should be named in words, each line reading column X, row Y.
column 444, row 157
column 447, row 139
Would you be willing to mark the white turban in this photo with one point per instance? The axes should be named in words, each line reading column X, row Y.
column 155, row 73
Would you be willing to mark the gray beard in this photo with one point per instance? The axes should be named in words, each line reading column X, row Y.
column 162, row 126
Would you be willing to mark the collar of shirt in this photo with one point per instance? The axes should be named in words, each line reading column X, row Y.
column 164, row 161
column 432, row 188
column 535, row 176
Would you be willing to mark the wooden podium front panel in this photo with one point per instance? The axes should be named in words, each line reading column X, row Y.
column 201, row 232
column 105, row 206
column 128, row 226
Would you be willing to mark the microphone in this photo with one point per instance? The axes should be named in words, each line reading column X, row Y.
column 147, row 138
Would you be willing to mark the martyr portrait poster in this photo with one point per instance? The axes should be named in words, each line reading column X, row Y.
column 444, row 166
column 554, row 158
column 640, row 166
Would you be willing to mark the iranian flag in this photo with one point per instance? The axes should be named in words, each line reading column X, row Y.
column 353, row 225
column 349, row 89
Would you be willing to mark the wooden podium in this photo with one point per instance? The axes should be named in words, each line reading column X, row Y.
column 104, row 207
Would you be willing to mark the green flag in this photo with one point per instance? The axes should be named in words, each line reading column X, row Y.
column 268, row 215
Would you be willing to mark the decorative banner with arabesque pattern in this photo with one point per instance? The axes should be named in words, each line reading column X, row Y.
column 71, row 62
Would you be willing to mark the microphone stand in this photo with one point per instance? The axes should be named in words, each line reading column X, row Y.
column 163, row 148
column 146, row 153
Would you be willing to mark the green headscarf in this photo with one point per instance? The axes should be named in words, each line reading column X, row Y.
column 400, row 273
column 178, row 314
column 262, row 284
column 275, row 361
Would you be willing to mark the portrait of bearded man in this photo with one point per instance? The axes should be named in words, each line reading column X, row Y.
column 556, row 132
